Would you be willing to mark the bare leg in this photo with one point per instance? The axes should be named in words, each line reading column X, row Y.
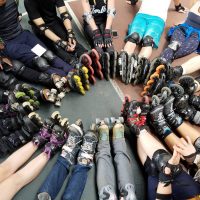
column 149, row 143
column 22, row 177
column 141, row 153
column 186, row 129
column 130, row 47
column 192, row 65
column 145, row 52
column 171, row 140
column 16, row 160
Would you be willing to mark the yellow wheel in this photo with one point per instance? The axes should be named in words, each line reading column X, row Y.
column 87, row 87
column 77, row 78
column 85, row 70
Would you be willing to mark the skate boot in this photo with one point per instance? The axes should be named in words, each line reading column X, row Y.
column 108, row 193
column 158, row 120
column 105, row 62
column 73, row 144
column 11, row 124
column 86, row 153
column 118, row 130
column 113, row 64
column 173, row 119
column 128, row 192
column 87, row 62
column 142, row 70
column 74, row 82
column 59, row 97
column 103, row 130
column 122, row 65
column 7, row 81
column 181, row 104
column 58, row 138
column 96, row 65
column 83, row 73
column 44, row 134
column 131, row 68
column 155, row 84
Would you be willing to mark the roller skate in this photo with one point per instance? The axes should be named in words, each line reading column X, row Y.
column 73, row 144
column 128, row 192
column 87, row 62
column 131, row 68
column 96, row 65
column 172, row 118
column 105, row 62
column 181, row 104
column 113, row 64
column 59, row 82
column 158, row 120
column 74, row 83
column 154, row 85
column 87, row 150
column 103, row 130
column 57, row 140
column 122, row 65
column 7, row 81
column 49, row 95
column 83, row 73
column 118, row 128
column 142, row 70
column 154, row 64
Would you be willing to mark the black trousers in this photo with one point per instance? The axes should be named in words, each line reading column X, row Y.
column 59, row 29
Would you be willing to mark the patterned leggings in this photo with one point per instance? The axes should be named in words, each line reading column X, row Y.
column 187, row 45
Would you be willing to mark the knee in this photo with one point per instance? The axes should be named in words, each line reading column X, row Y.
column 41, row 63
column 17, row 67
column 49, row 55
column 134, row 38
column 147, row 41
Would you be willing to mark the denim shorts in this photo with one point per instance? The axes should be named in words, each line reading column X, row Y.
column 150, row 25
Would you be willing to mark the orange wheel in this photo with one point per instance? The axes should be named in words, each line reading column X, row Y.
column 154, row 75
column 143, row 93
column 160, row 68
column 150, row 82
column 146, row 88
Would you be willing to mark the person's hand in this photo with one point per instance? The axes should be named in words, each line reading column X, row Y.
column 186, row 149
column 1, row 67
column 2, row 45
column 107, row 38
column 98, row 38
column 71, row 40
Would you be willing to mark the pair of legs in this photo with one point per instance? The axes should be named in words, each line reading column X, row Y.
column 107, row 170
column 180, row 44
column 11, row 180
column 146, row 29
column 59, row 29
column 20, row 48
column 147, row 147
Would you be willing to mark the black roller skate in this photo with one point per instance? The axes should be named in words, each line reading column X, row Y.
column 113, row 64
column 131, row 68
column 154, row 85
column 105, row 62
column 142, row 70
column 7, row 81
column 158, row 120
column 73, row 144
column 122, row 65
column 88, row 147
column 181, row 104
column 172, row 118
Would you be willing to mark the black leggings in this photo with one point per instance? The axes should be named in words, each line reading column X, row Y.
column 59, row 29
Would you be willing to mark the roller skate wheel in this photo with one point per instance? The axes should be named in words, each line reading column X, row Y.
column 58, row 103
column 56, row 115
column 107, row 121
column 64, row 122
column 27, row 104
column 177, row 89
column 77, row 78
column 98, row 121
column 150, row 82
column 19, row 94
column 155, row 100
column 86, row 76
column 154, row 75
column 54, row 91
column 85, row 70
column 144, row 93
column 33, row 114
column 167, row 91
column 82, row 91
column 146, row 88
column 87, row 87
column 113, row 120
column 159, row 68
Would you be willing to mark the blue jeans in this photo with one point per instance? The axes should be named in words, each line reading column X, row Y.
column 57, row 176
column 20, row 47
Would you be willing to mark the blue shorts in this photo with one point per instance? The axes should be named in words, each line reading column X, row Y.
column 144, row 25
column 188, row 30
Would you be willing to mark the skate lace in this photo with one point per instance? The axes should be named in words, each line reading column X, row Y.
column 72, row 141
column 136, row 119
column 87, row 147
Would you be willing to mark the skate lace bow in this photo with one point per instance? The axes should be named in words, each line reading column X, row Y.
column 87, row 147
